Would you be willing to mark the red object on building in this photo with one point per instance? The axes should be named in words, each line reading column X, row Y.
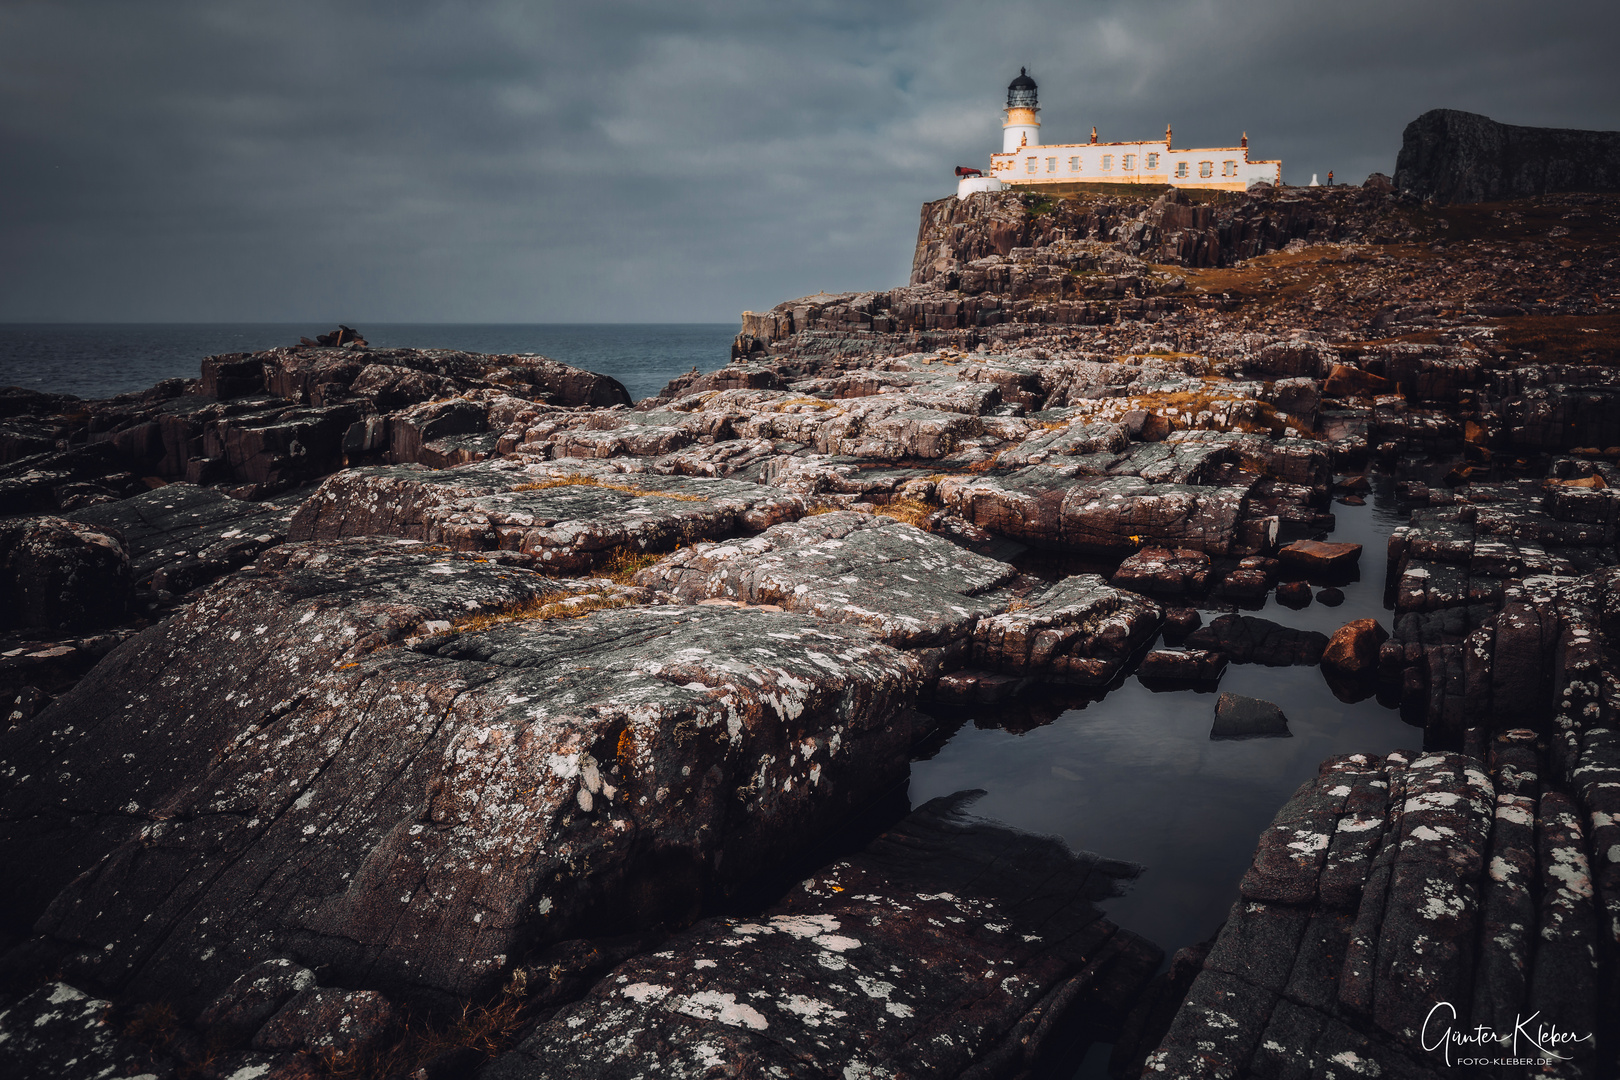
column 963, row 170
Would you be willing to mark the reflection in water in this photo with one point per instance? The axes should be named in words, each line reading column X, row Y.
column 1135, row 775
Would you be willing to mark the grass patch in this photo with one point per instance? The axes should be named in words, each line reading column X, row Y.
column 1041, row 206
column 910, row 511
column 539, row 610
column 591, row 481
column 623, row 564
column 1564, row 339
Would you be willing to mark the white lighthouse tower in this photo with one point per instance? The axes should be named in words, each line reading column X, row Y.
column 1022, row 127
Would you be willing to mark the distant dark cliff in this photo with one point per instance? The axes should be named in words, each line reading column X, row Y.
column 1460, row 157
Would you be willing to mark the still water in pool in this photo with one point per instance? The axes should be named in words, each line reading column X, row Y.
column 1135, row 776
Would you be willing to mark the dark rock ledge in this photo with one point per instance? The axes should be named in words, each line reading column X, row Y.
column 948, row 947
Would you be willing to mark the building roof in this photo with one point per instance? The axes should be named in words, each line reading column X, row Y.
column 1021, row 91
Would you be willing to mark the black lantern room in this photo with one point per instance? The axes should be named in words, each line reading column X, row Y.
column 1021, row 91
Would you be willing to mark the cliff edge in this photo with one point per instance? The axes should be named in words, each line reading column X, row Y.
column 1462, row 157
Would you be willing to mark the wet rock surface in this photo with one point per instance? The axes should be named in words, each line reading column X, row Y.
column 1247, row 639
column 1239, row 717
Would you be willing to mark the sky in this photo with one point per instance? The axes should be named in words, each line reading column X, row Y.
column 400, row 161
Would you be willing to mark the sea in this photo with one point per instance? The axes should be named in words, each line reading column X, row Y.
column 100, row 360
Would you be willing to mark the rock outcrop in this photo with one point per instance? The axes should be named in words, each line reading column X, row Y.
column 521, row 781
column 1463, row 157
column 1402, row 916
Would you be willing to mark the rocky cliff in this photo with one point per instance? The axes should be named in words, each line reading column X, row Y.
column 1019, row 267
column 1463, row 157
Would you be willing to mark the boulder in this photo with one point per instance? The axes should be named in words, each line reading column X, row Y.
column 1300, row 396
column 1353, row 648
column 1179, row 622
column 62, row 576
column 1056, row 508
column 1238, row 717
column 1080, row 631
column 1248, row 639
column 1300, row 357
column 1294, row 594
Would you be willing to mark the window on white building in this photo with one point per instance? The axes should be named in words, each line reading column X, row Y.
column 1206, row 168
column 1181, row 170
column 1029, row 166
column 1153, row 161
column 1129, row 162
column 1108, row 161
column 1074, row 164
column 1228, row 168
column 1051, row 164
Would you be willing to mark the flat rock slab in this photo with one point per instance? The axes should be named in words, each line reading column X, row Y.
column 183, row 522
column 1239, row 717
column 1320, row 556
column 950, row 943
column 908, row 587
column 259, row 776
column 567, row 522
column 1061, row 508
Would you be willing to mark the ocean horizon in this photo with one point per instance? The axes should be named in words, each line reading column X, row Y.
column 101, row 360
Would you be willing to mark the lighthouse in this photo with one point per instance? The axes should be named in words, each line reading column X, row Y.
column 1025, row 160
column 1022, row 127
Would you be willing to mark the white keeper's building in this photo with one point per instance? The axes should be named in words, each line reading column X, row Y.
column 1023, row 160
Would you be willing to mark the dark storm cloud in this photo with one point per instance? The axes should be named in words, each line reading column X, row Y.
column 624, row 161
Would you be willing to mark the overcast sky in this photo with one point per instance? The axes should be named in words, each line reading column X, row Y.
column 218, row 161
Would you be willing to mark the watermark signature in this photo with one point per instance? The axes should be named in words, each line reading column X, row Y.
column 1538, row 1037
